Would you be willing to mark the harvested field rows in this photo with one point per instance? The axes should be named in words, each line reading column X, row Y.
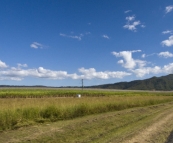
column 113, row 127
column 99, row 116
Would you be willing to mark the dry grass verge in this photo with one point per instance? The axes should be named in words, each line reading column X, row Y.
column 115, row 127
column 15, row 113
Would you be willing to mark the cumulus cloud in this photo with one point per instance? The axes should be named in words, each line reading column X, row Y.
column 165, row 54
column 92, row 73
column 168, row 42
column 131, row 23
column 168, row 8
column 120, row 62
column 17, row 74
column 79, row 37
column 128, row 61
column 138, row 67
column 20, row 72
column 132, row 26
column 3, row 65
column 130, row 18
column 140, row 72
column 50, row 74
column 167, row 32
column 105, row 36
column 166, row 69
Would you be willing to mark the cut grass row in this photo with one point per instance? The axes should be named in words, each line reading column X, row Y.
column 17, row 112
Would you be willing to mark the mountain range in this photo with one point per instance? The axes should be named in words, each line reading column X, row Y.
column 164, row 83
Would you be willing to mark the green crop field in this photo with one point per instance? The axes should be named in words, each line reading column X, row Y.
column 52, row 92
column 24, row 107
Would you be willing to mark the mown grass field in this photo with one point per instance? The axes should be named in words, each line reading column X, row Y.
column 24, row 107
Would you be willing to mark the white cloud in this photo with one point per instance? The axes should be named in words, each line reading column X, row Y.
column 77, row 37
column 168, row 69
column 3, row 65
column 161, row 54
column 92, row 73
column 87, row 33
column 120, row 62
column 72, row 36
column 46, row 73
column 36, row 45
column 131, row 23
column 140, row 72
column 140, row 63
column 127, row 11
column 37, row 73
column 18, row 73
column 22, row 65
column 63, row 35
column 167, row 32
column 132, row 26
column 130, row 18
column 10, row 78
column 128, row 61
column 143, row 26
column 105, row 36
column 143, row 55
column 169, row 8
column 168, row 42
column 165, row 54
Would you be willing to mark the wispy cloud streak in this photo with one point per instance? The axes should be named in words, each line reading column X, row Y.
column 167, row 32
column 165, row 54
column 105, row 36
column 37, row 45
column 72, row 36
column 127, row 11
column 168, row 8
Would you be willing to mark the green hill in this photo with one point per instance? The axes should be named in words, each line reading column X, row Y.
column 154, row 83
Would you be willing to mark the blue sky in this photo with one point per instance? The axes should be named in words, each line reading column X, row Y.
column 60, row 42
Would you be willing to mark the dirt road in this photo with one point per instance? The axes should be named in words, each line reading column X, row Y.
column 158, row 131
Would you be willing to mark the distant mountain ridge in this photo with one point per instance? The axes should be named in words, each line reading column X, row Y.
column 155, row 83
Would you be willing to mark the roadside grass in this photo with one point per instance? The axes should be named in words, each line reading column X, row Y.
column 116, row 126
column 18, row 112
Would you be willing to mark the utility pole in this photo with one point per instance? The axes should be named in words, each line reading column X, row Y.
column 82, row 84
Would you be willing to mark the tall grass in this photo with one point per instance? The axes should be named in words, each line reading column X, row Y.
column 16, row 112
